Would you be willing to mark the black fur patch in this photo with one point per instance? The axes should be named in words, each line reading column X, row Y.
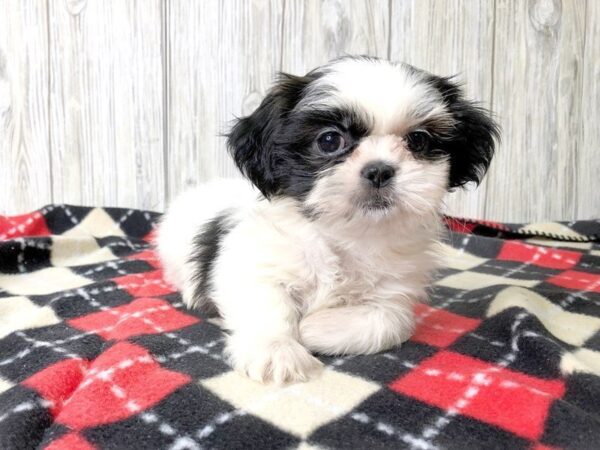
column 275, row 145
column 472, row 142
column 206, row 245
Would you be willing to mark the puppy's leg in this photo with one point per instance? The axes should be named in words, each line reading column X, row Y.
column 357, row 329
column 263, row 342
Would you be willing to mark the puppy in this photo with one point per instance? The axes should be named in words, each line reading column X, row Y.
column 332, row 247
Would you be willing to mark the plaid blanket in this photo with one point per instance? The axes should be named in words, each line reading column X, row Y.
column 97, row 351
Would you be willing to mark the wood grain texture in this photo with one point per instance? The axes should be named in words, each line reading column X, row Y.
column 106, row 102
column 222, row 59
column 124, row 102
column 449, row 37
column 587, row 171
column 25, row 166
column 537, row 83
column 315, row 32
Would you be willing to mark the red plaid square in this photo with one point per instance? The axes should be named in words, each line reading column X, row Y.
column 539, row 256
column 141, row 316
column 151, row 236
column 460, row 226
column 439, row 327
column 147, row 284
column 148, row 256
column 32, row 224
column 544, row 447
column 580, row 281
column 58, row 381
column 121, row 382
column 495, row 395
column 71, row 441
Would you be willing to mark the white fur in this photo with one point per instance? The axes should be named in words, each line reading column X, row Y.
column 393, row 94
column 327, row 274
column 184, row 219
column 282, row 280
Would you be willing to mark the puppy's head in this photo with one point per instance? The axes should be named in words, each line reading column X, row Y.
column 364, row 138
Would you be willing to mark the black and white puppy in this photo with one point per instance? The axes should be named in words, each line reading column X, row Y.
column 352, row 162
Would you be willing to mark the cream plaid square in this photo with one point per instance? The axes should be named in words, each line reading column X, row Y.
column 300, row 408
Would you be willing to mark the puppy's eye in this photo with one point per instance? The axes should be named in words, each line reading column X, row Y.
column 330, row 142
column 418, row 141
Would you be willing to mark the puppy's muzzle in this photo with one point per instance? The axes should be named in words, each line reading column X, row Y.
column 378, row 174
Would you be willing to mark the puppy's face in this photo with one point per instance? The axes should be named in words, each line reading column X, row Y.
column 364, row 138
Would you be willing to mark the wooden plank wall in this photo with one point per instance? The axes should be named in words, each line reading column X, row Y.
column 124, row 102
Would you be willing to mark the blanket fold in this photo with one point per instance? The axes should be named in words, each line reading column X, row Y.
column 98, row 351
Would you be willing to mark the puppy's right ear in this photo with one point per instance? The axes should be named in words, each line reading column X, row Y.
column 251, row 140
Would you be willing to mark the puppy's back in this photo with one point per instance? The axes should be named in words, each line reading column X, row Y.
column 186, row 219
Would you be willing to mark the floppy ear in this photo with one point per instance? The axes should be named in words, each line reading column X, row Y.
column 251, row 140
column 473, row 140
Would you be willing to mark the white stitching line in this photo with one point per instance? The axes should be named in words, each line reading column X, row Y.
column 95, row 290
column 157, row 328
column 454, row 299
column 478, row 380
column 122, row 317
column 505, row 384
column 491, row 342
column 525, row 271
column 545, row 251
column 33, row 242
column 295, row 390
column 27, row 406
column 21, row 257
column 505, row 361
column 113, row 264
column 203, row 349
column 69, row 214
column 593, row 283
column 457, row 299
column 19, row 226
column 385, row 428
column 164, row 427
column 210, row 426
column 580, row 295
column 106, row 376
column 36, row 343
column 472, row 391
column 122, row 219
column 127, row 243
column 181, row 441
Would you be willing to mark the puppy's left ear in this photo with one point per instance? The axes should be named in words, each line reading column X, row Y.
column 473, row 139
column 252, row 139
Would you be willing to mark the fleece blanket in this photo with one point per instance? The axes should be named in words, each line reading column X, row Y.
column 97, row 351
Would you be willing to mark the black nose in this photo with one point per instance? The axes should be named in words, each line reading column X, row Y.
column 379, row 174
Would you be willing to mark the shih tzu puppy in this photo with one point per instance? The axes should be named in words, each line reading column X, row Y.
column 333, row 245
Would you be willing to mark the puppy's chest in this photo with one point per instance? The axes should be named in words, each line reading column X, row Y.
column 346, row 277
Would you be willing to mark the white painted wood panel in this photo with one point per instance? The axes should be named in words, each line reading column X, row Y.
column 315, row 31
column 124, row 102
column 537, row 82
column 25, row 166
column 222, row 56
column 449, row 37
column 587, row 171
column 106, row 102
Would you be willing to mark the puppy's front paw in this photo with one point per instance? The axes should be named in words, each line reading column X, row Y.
column 277, row 361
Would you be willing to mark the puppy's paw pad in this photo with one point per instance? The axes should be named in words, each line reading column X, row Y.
column 280, row 362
